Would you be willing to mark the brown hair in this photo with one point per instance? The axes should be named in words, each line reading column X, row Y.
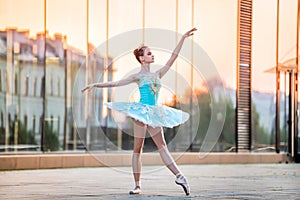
column 139, row 52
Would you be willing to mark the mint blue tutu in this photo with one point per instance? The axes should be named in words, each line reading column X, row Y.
column 148, row 110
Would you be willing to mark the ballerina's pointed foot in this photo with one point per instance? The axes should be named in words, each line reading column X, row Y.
column 136, row 190
column 181, row 180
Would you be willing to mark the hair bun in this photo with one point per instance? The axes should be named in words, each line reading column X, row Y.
column 135, row 52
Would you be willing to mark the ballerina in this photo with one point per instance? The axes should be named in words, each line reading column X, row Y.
column 148, row 114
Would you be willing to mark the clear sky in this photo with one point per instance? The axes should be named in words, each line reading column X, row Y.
column 216, row 21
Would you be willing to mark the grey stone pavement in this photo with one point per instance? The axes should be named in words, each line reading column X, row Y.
column 250, row 181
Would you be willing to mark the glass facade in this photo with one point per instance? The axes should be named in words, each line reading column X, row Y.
column 264, row 53
column 46, row 61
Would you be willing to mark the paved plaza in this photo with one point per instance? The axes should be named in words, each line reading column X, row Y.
column 249, row 181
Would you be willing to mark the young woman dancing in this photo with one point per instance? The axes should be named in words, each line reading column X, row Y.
column 148, row 114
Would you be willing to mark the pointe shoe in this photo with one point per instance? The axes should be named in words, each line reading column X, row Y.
column 184, row 184
column 136, row 190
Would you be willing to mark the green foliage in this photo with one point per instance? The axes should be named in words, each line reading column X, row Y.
column 24, row 136
column 228, row 132
column 260, row 136
column 227, row 138
column 204, row 103
column 2, row 135
column 51, row 140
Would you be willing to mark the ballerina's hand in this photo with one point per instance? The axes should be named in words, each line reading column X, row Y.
column 88, row 87
column 190, row 32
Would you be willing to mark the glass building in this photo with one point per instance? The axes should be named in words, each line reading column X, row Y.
column 237, row 76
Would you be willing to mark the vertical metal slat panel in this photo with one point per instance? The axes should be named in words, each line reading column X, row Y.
column 243, row 113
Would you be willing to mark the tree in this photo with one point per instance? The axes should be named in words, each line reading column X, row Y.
column 24, row 136
column 260, row 137
column 228, row 133
column 51, row 141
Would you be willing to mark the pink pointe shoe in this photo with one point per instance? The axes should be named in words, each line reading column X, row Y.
column 181, row 180
column 136, row 190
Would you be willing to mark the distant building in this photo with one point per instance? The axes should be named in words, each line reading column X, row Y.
column 21, row 83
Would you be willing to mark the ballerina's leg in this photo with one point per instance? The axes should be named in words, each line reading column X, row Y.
column 159, row 140
column 139, row 138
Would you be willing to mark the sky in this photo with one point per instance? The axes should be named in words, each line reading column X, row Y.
column 216, row 21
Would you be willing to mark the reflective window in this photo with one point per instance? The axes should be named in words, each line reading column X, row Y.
column 48, row 54
column 264, row 68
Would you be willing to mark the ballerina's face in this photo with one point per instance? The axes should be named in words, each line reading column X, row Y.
column 148, row 56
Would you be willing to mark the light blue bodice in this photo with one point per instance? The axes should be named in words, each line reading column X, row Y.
column 149, row 87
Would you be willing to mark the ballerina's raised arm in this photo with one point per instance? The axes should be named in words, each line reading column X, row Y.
column 161, row 72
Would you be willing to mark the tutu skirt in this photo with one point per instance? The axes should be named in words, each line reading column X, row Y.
column 152, row 115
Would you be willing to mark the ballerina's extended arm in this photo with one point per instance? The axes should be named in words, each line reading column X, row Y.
column 161, row 72
column 122, row 82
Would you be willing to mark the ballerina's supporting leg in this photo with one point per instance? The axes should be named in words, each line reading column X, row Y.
column 139, row 138
column 159, row 140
